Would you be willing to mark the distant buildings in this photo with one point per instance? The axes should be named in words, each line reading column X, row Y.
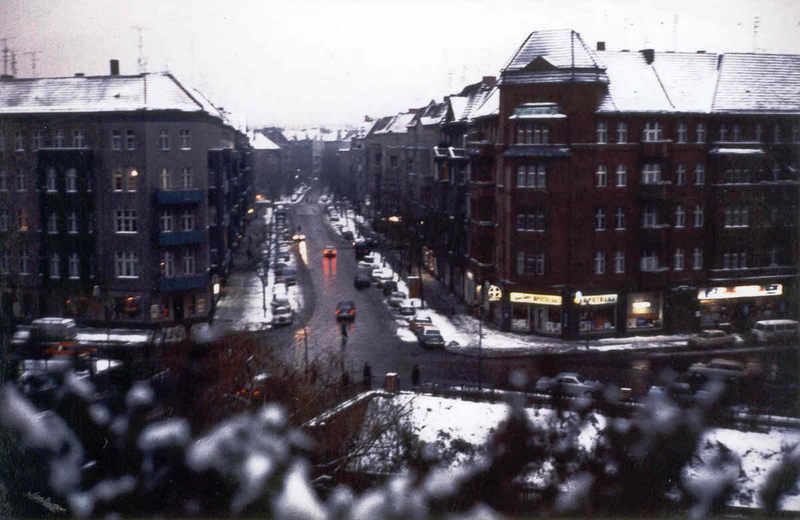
column 592, row 192
column 121, row 197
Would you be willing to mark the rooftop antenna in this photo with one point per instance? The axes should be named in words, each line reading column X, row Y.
column 756, row 25
column 14, row 63
column 142, row 61
column 6, row 52
column 34, row 59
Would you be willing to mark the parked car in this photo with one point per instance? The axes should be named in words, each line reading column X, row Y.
column 679, row 392
column 407, row 308
column 287, row 276
column 388, row 287
column 568, row 383
column 380, row 275
column 362, row 281
column 711, row 338
column 345, row 310
column 282, row 315
column 722, row 369
column 416, row 323
column 430, row 337
column 396, row 298
column 329, row 252
column 767, row 331
column 334, row 219
column 347, row 235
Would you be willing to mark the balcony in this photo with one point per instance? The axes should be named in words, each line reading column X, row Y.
column 182, row 283
column 656, row 234
column 179, row 197
column 656, row 149
column 654, row 192
column 181, row 238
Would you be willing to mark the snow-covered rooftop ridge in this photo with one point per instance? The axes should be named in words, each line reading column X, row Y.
column 561, row 48
column 490, row 105
column 148, row 91
column 261, row 142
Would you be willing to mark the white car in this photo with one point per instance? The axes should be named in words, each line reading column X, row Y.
column 282, row 315
column 407, row 308
column 396, row 298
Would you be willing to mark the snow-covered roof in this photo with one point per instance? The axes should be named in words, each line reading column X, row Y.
column 490, row 106
column 561, row 48
column 398, row 124
column 758, row 82
column 150, row 91
column 458, row 104
column 262, row 142
column 313, row 134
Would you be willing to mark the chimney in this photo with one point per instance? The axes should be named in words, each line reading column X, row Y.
column 649, row 55
column 114, row 67
column 601, row 46
column 490, row 80
column 701, row 52
column 79, row 74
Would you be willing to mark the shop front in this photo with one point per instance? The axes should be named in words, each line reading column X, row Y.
column 537, row 313
column 738, row 307
column 597, row 313
column 645, row 312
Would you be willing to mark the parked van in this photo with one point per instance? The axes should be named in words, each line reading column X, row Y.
column 766, row 331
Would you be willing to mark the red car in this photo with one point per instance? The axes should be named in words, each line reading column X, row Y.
column 345, row 310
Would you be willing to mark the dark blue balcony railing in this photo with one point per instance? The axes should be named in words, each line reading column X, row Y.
column 181, row 238
column 182, row 283
column 179, row 197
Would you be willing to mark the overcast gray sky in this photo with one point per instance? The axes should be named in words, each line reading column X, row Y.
column 307, row 62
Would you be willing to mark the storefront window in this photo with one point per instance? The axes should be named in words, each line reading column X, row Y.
column 645, row 311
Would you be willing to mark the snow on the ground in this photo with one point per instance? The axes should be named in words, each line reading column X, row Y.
column 113, row 336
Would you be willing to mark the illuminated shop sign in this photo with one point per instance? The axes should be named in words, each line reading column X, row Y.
column 740, row 291
column 598, row 299
column 538, row 299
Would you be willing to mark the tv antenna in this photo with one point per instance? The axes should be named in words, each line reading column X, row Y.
column 34, row 60
column 756, row 26
column 14, row 63
column 142, row 61
column 6, row 53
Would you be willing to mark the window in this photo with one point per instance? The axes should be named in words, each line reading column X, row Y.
column 2, row 142
column 165, row 222
column 530, row 263
column 55, row 266
column 72, row 223
column 58, row 139
column 116, row 140
column 52, row 224
column 759, row 132
column 772, row 256
column 165, row 180
column 212, row 215
column 163, row 139
column 678, row 260
column 20, row 179
column 3, row 180
column 697, row 258
column 71, row 180
column 187, row 220
column 737, row 216
column 698, row 216
column 601, row 133
column 734, row 260
column 167, row 264
column 599, row 219
column 126, row 264
column 619, row 219
column 531, row 221
column 683, row 132
column 736, row 176
column 700, row 133
column 90, row 223
column 130, row 141
column 649, row 262
column 619, row 262
column 699, row 175
column 393, row 161
column 651, row 173
column 795, row 133
column 125, row 221
column 649, row 217
column 622, row 133
column 78, row 139
column 777, row 136
column 533, row 133
column 4, row 220
column 599, row 262
column 5, row 262
column 118, row 179
column 680, row 174
column 622, row 176
column 19, row 142
column 131, row 179
column 187, row 180
column 188, row 263
column 737, row 133
column 51, row 179
column 186, row 139
column 680, row 216
column 74, row 266
column 36, row 142
column 24, row 260
column 723, row 132
column 22, row 220
column 531, row 176
column 652, row 131
column 601, row 176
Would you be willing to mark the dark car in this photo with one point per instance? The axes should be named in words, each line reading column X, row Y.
column 347, row 235
column 345, row 310
column 362, row 281
column 430, row 337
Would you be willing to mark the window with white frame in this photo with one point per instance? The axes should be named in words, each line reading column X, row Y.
column 777, row 133
column 737, row 133
column 795, row 134
column 622, row 132
column 699, row 175
column 683, row 132
column 163, row 139
column 3, row 180
column 19, row 141
column 186, row 139
column 680, row 174
column 734, row 260
column 165, row 221
column 22, row 220
column 165, row 179
column 534, row 221
column 36, row 141
column 651, row 173
column 530, row 263
column 697, row 258
column 533, row 133
column 772, row 257
column 599, row 262
column 74, row 266
column 20, row 179
column 131, row 179
column 619, row 219
column 58, row 139
column 130, row 140
column 759, row 132
column 24, row 260
column 125, row 221
column 531, row 176
column 723, row 132
column 72, row 223
column 622, row 176
column 118, row 179
column 167, row 264
column 652, row 131
column 649, row 262
column 698, row 216
column 50, row 177
column 187, row 179
column 599, row 219
column 187, row 220
column 78, row 139
column 52, row 224
column 71, row 179
column 678, row 260
column 601, row 132
column 126, row 264
column 619, row 262
column 737, row 215
column 116, row 140
column 649, row 217
column 680, row 216
column 700, row 133
column 55, row 266
column 188, row 262
column 4, row 220
column 601, row 176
